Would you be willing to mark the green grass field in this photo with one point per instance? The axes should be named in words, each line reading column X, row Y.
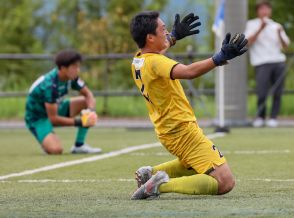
column 262, row 161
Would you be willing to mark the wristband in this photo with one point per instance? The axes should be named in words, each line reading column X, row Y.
column 172, row 39
column 78, row 121
column 218, row 59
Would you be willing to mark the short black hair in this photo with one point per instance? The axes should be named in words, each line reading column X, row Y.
column 261, row 3
column 142, row 24
column 67, row 57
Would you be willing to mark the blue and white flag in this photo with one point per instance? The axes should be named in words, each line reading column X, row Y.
column 219, row 20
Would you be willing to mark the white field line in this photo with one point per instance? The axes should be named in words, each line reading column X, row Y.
column 241, row 152
column 80, row 161
column 273, row 180
column 118, row 180
column 285, row 151
column 68, row 180
column 93, row 158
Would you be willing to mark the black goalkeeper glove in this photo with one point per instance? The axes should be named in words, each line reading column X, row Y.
column 183, row 28
column 230, row 49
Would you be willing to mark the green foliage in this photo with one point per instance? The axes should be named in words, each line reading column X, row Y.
column 110, row 32
column 17, row 20
column 17, row 24
column 94, row 27
column 121, row 77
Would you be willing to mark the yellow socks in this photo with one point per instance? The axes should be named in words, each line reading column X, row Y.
column 174, row 169
column 199, row 184
column 185, row 181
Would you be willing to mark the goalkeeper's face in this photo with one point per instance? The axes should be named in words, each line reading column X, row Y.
column 73, row 70
column 160, row 40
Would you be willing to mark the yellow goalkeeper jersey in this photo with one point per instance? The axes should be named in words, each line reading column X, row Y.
column 167, row 103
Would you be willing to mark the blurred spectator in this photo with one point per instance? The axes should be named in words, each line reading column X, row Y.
column 266, row 39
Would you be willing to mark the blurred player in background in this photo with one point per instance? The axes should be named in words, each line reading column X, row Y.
column 266, row 38
column 45, row 106
column 199, row 168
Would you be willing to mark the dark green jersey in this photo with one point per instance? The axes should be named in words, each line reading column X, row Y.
column 47, row 89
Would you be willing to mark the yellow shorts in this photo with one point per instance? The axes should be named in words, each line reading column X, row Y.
column 193, row 148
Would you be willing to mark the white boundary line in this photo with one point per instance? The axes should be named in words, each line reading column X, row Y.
column 240, row 152
column 273, row 180
column 66, row 180
column 80, row 161
column 93, row 158
column 118, row 180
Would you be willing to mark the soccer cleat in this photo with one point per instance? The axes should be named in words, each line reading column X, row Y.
column 85, row 149
column 151, row 188
column 258, row 122
column 272, row 123
column 143, row 174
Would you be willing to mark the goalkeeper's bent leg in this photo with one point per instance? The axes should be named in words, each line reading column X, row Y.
column 174, row 169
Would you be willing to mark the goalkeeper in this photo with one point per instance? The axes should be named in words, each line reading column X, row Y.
column 199, row 168
column 45, row 106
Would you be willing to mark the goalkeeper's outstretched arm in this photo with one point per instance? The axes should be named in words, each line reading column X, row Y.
column 231, row 48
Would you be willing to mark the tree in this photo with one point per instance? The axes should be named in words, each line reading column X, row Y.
column 109, row 33
column 17, row 26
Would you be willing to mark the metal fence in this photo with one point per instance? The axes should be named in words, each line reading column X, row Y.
column 181, row 57
column 106, row 92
